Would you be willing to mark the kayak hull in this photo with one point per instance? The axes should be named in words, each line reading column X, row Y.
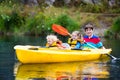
column 46, row 55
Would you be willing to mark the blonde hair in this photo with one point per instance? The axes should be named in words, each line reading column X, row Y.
column 52, row 37
column 76, row 32
column 79, row 35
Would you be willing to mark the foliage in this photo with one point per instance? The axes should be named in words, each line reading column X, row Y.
column 11, row 1
column 65, row 21
column 15, row 21
column 5, row 19
column 38, row 24
column 17, row 18
column 97, row 8
column 114, row 31
column 108, row 34
column 10, row 22
column 116, row 25
column 41, row 23
column 2, row 17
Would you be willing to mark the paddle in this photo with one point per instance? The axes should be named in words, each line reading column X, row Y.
column 63, row 31
column 114, row 58
column 60, row 30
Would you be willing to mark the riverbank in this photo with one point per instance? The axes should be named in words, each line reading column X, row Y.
column 33, row 21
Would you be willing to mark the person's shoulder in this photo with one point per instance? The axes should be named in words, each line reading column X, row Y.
column 85, row 36
column 95, row 36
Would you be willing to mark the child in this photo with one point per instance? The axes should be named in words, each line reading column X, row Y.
column 76, row 40
column 92, row 40
column 53, row 41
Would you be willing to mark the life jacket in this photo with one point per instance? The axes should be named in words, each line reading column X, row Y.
column 72, row 42
column 55, row 44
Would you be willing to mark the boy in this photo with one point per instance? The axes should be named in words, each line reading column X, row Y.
column 91, row 40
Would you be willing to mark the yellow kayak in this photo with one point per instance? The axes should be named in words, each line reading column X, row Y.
column 61, row 71
column 34, row 54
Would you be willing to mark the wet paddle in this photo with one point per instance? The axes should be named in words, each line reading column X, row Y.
column 63, row 31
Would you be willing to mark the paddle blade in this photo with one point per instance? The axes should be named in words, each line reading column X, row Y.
column 60, row 30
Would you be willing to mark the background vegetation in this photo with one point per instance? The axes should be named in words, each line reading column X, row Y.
column 27, row 17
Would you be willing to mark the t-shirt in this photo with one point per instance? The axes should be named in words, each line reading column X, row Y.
column 93, row 41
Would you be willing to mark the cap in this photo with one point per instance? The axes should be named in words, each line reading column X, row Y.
column 88, row 26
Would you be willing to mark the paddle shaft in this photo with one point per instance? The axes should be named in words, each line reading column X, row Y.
column 111, row 56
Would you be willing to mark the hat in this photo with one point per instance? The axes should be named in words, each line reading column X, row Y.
column 88, row 26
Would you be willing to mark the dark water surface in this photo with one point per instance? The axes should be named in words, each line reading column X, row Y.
column 94, row 70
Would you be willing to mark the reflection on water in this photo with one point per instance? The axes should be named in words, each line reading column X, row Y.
column 92, row 70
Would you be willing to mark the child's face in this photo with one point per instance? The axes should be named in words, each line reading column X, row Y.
column 50, row 41
column 89, row 31
column 74, row 36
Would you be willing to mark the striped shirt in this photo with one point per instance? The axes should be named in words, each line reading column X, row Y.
column 94, row 41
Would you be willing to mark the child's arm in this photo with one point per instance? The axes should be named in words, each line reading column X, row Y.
column 59, row 44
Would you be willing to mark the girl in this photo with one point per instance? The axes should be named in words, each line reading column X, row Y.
column 76, row 40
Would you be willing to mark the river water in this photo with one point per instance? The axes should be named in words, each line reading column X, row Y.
column 11, row 69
